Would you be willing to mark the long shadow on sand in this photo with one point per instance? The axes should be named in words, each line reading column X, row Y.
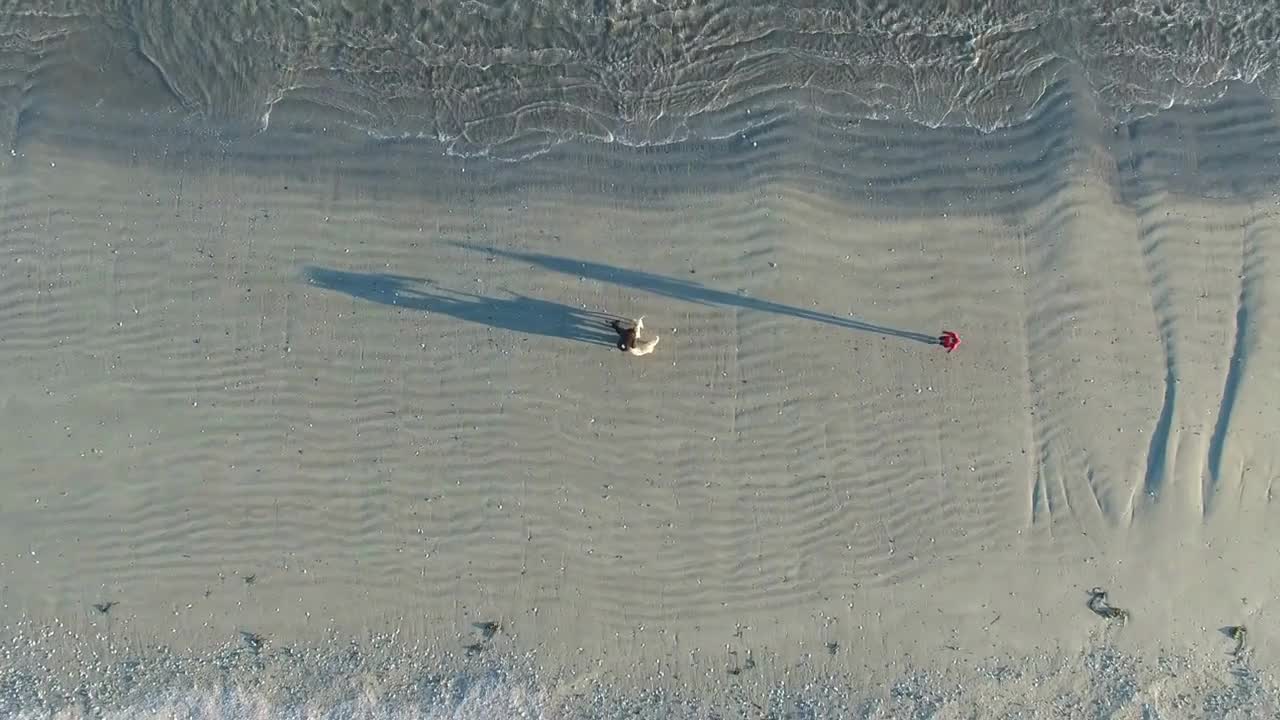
column 690, row 291
column 518, row 313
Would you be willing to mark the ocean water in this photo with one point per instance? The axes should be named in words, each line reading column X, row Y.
column 509, row 81
column 846, row 100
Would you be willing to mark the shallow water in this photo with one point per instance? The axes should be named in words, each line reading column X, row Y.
column 510, row 81
column 306, row 373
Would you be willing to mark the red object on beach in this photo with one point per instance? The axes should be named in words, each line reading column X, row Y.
column 949, row 340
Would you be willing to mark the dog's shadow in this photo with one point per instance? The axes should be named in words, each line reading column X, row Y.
column 518, row 313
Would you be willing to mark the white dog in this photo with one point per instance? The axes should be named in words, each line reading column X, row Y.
column 629, row 339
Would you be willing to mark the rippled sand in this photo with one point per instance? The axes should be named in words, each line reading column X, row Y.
column 335, row 425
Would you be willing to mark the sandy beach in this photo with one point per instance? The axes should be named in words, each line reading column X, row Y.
column 272, row 400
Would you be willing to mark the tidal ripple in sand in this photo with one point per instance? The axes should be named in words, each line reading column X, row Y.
column 389, row 396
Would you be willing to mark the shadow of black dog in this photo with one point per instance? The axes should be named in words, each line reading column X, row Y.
column 518, row 313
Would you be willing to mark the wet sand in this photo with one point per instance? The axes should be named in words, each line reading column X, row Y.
column 326, row 390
